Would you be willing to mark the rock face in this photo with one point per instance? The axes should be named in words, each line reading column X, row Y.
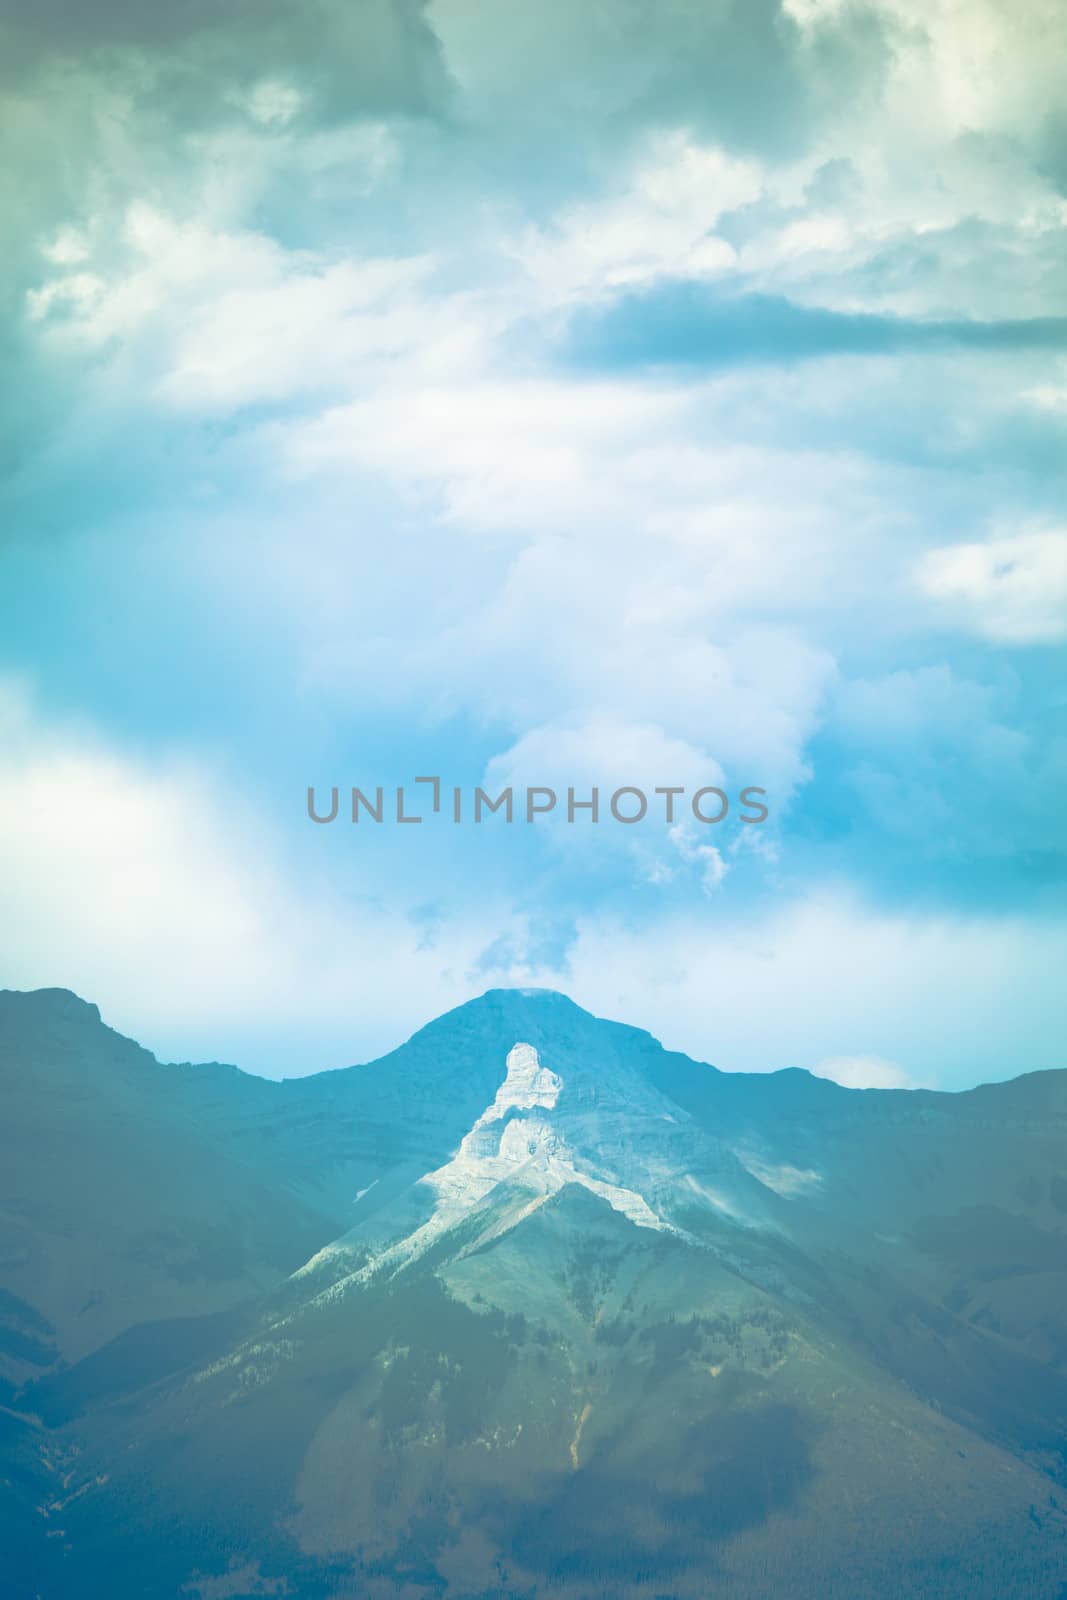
column 529, row 1306
column 519, row 1144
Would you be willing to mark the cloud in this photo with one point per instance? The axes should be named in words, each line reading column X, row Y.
column 708, row 857
column 739, row 72
column 863, row 1072
column 609, row 755
column 500, row 452
column 687, row 324
column 958, row 997
column 640, row 567
column 154, row 888
column 959, row 778
column 1011, row 590
column 660, row 223
column 346, row 59
column 678, row 444
column 223, row 320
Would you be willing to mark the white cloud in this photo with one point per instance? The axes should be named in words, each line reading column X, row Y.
column 222, row 318
column 646, row 587
column 1048, row 397
column 510, row 453
column 68, row 248
column 603, row 752
column 810, row 13
column 955, row 996
column 1010, row 590
column 863, row 1072
column 155, row 890
column 707, row 857
column 659, row 224
column 980, row 65
column 270, row 102
column 610, row 755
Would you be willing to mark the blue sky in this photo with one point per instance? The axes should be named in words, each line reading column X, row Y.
column 636, row 393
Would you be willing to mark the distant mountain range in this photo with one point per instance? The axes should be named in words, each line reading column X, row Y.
column 529, row 1307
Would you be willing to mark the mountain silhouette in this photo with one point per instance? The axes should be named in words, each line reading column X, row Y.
column 528, row 1307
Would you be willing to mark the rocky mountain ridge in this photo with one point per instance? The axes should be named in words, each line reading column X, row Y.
column 430, row 1326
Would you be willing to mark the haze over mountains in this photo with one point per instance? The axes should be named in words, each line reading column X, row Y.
column 528, row 1307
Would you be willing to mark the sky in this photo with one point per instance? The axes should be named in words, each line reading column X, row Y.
column 645, row 392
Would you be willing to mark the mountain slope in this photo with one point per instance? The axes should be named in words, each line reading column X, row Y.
column 117, row 1205
column 529, row 1307
column 576, row 1406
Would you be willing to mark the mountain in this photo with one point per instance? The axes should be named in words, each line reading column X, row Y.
column 528, row 1307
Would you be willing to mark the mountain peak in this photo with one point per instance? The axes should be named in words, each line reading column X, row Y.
column 513, row 1014
column 62, row 1004
column 532, row 995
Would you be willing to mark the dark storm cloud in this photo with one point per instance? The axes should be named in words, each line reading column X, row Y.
column 348, row 57
column 740, row 72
